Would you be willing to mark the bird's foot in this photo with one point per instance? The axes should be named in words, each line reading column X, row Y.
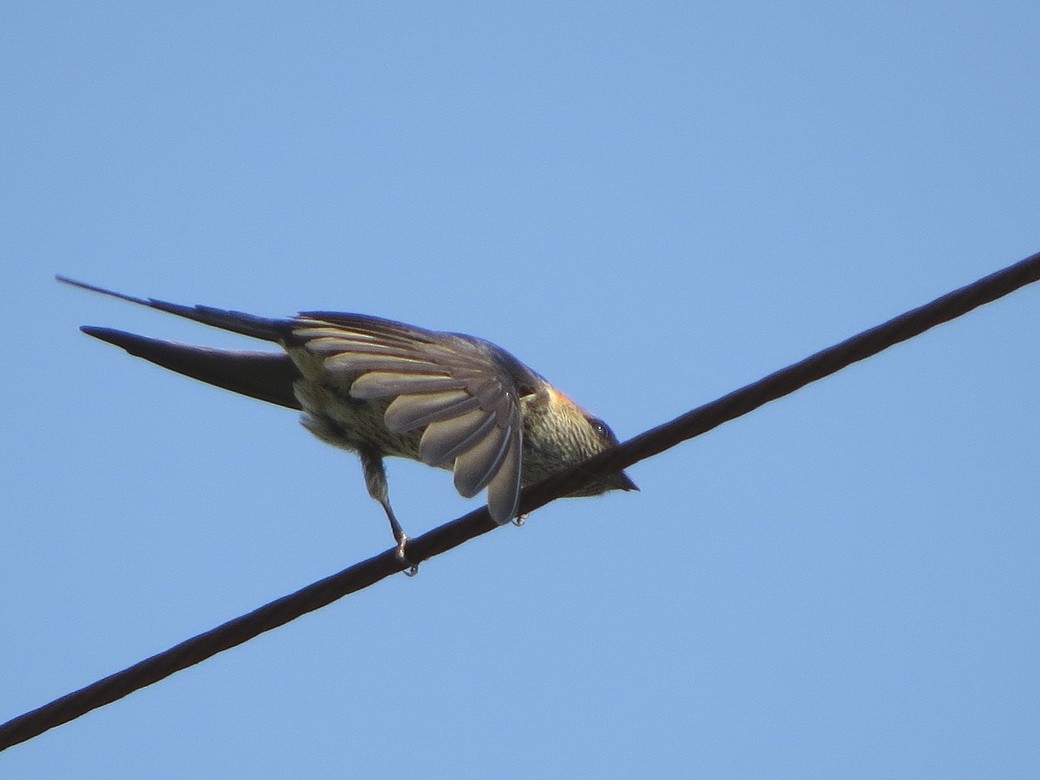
column 402, row 556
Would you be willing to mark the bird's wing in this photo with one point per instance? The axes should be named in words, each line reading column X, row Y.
column 456, row 389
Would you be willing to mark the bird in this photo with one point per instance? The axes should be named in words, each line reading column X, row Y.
column 381, row 388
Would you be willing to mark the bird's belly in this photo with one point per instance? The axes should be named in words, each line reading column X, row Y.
column 352, row 424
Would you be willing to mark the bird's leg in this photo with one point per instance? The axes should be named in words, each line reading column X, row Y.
column 400, row 536
column 375, row 481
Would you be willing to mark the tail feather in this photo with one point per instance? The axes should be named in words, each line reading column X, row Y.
column 267, row 376
column 235, row 321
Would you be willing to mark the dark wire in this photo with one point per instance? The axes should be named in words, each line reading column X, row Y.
column 445, row 537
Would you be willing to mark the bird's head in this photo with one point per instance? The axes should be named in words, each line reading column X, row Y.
column 558, row 434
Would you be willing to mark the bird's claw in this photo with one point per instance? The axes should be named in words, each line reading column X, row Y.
column 402, row 556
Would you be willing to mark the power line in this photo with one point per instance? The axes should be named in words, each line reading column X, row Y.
column 449, row 535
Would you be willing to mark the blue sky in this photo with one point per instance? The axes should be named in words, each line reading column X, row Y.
column 651, row 204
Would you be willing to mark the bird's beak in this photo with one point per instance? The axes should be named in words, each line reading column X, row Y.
column 623, row 482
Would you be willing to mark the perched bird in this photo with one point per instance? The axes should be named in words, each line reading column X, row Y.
column 383, row 388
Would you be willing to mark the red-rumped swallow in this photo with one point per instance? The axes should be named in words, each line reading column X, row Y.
column 383, row 388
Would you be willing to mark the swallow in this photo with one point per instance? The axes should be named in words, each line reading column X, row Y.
column 381, row 388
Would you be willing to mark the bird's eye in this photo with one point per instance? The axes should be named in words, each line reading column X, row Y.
column 600, row 428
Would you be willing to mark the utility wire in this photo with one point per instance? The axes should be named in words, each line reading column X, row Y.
column 452, row 534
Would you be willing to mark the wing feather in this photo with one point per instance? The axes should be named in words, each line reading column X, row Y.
column 475, row 467
column 335, row 346
column 504, row 488
column 355, row 363
column 414, row 411
column 443, row 441
column 382, row 384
